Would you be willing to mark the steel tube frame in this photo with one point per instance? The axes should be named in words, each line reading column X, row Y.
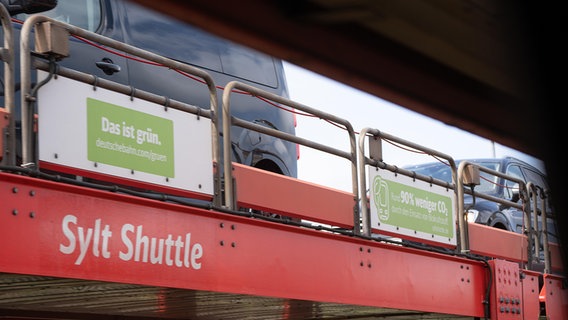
column 25, row 60
column 229, row 120
column 460, row 193
column 363, row 160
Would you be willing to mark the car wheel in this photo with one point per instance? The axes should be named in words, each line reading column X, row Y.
column 499, row 221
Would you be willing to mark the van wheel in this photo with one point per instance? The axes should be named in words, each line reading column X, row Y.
column 268, row 166
column 499, row 222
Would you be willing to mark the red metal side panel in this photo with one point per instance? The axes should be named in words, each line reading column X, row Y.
column 514, row 293
column 531, row 304
column 277, row 193
column 65, row 231
column 488, row 241
column 555, row 296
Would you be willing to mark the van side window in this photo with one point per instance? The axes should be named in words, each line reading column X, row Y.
column 164, row 35
column 168, row 37
column 245, row 63
column 511, row 186
column 487, row 181
column 85, row 14
column 514, row 171
column 535, row 178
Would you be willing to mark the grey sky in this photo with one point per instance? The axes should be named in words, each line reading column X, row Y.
column 363, row 110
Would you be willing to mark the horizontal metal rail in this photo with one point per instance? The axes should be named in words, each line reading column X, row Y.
column 97, row 82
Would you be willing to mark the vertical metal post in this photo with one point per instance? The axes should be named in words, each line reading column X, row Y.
column 545, row 248
column 364, row 206
column 524, row 194
column 463, row 245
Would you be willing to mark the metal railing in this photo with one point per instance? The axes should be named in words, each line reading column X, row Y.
column 536, row 237
column 539, row 231
column 375, row 159
column 229, row 120
column 461, row 191
column 28, row 156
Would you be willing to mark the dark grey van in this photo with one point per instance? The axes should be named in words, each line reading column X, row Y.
column 224, row 60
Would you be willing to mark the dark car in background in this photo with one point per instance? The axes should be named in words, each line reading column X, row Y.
column 488, row 212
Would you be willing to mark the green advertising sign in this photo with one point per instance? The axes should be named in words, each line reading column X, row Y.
column 129, row 139
column 404, row 206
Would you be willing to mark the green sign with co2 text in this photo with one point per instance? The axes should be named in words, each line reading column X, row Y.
column 400, row 203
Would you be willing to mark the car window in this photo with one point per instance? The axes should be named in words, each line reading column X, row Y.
column 511, row 186
column 85, row 14
column 535, row 177
column 245, row 63
column 514, row 171
column 171, row 38
column 164, row 35
column 487, row 182
column 439, row 171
